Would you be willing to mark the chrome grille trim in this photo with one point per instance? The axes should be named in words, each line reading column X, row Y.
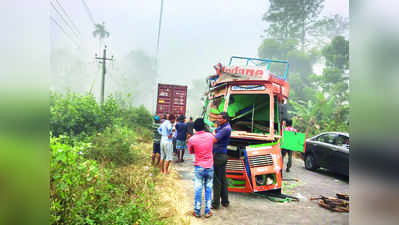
column 260, row 160
column 235, row 165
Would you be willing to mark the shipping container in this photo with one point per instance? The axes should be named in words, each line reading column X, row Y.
column 171, row 99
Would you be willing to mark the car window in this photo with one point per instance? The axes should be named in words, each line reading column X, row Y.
column 326, row 138
column 343, row 141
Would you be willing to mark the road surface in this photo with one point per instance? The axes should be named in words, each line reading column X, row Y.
column 250, row 209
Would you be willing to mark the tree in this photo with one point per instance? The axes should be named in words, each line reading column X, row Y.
column 300, row 62
column 276, row 49
column 101, row 33
column 335, row 77
column 327, row 28
column 292, row 19
column 337, row 53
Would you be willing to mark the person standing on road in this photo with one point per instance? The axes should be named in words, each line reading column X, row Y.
column 286, row 151
column 166, row 143
column 156, row 141
column 181, row 134
column 222, row 138
column 201, row 144
column 190, row 126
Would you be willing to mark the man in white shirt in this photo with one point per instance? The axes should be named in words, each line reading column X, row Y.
column 166, row 143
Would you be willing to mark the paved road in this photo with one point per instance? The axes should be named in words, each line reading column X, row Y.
column 250, row 209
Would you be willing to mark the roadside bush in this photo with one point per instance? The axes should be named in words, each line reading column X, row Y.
column 98, row 172
column 80, row 116
column 74, row 114
column 84, row 192
column 113, row 145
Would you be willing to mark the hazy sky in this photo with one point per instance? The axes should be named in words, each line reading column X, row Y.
column 195, row 34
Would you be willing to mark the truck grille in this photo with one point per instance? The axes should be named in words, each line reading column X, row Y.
column 235, row 165
column 260, row 160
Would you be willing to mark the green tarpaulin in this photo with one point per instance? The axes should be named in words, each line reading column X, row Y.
column 293, row 141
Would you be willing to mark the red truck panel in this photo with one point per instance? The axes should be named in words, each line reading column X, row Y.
column 171, row 99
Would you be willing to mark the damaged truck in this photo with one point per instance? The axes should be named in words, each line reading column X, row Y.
column 254, row 99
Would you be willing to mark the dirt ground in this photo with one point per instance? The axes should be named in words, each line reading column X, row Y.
column 250, row 209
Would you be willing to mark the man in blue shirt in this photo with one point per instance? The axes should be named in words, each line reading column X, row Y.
column 165, row 130
column 222, row 138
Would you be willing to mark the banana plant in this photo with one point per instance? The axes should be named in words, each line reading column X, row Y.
column 314, row 114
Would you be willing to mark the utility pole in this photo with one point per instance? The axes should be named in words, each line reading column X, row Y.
column 103, row 61
column 154, row 98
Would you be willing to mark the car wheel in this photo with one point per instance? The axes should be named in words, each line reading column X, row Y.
column 310, row 162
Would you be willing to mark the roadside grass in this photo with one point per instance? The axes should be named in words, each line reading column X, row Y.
column 88, row 191
column 169, row 199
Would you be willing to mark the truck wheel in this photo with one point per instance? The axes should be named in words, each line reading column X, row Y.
column 310, row 162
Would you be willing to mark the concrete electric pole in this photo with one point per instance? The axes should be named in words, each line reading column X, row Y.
column 103, row 60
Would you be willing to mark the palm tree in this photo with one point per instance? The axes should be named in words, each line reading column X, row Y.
column 101, row 33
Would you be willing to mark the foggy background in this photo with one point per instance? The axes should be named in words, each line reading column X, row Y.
column 194, row 37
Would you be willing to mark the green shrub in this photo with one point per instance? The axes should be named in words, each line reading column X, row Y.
column 80, row 116
column 137, row 117
column 83, row 192
column 113, row 146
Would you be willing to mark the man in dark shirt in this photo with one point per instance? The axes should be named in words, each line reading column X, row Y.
column 222, row 138
column 190, row 127
column 181, row 135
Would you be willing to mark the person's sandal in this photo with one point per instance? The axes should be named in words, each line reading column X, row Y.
column 196, row 215
column 208, row 215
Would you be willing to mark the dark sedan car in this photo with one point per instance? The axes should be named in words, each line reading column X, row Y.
column 329, row 150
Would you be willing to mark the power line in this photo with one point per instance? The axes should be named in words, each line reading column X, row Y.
column 88, row 12
column 62, row 29
column 62, row 17
column 159, row 29
column 70, row 20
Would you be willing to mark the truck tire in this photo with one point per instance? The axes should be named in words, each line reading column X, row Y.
column 310, row 162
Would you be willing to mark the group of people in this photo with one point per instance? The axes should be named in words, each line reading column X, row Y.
column 210, row 156
column 170, row 136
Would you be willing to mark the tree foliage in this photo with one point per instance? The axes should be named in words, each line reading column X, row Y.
column 337, row 53
column 100, row 31
column 292, row 19
column 327, row 28
column 296, row 33
column 329, row 111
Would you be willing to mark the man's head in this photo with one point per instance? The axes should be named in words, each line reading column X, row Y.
column 222, row 118
column 199, row 124
column 289, row 123
column 172, row 118
column 191, row 119
column 156, row 119
column 181, row 118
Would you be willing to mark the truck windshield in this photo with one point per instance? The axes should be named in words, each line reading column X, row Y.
column 250, row 112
